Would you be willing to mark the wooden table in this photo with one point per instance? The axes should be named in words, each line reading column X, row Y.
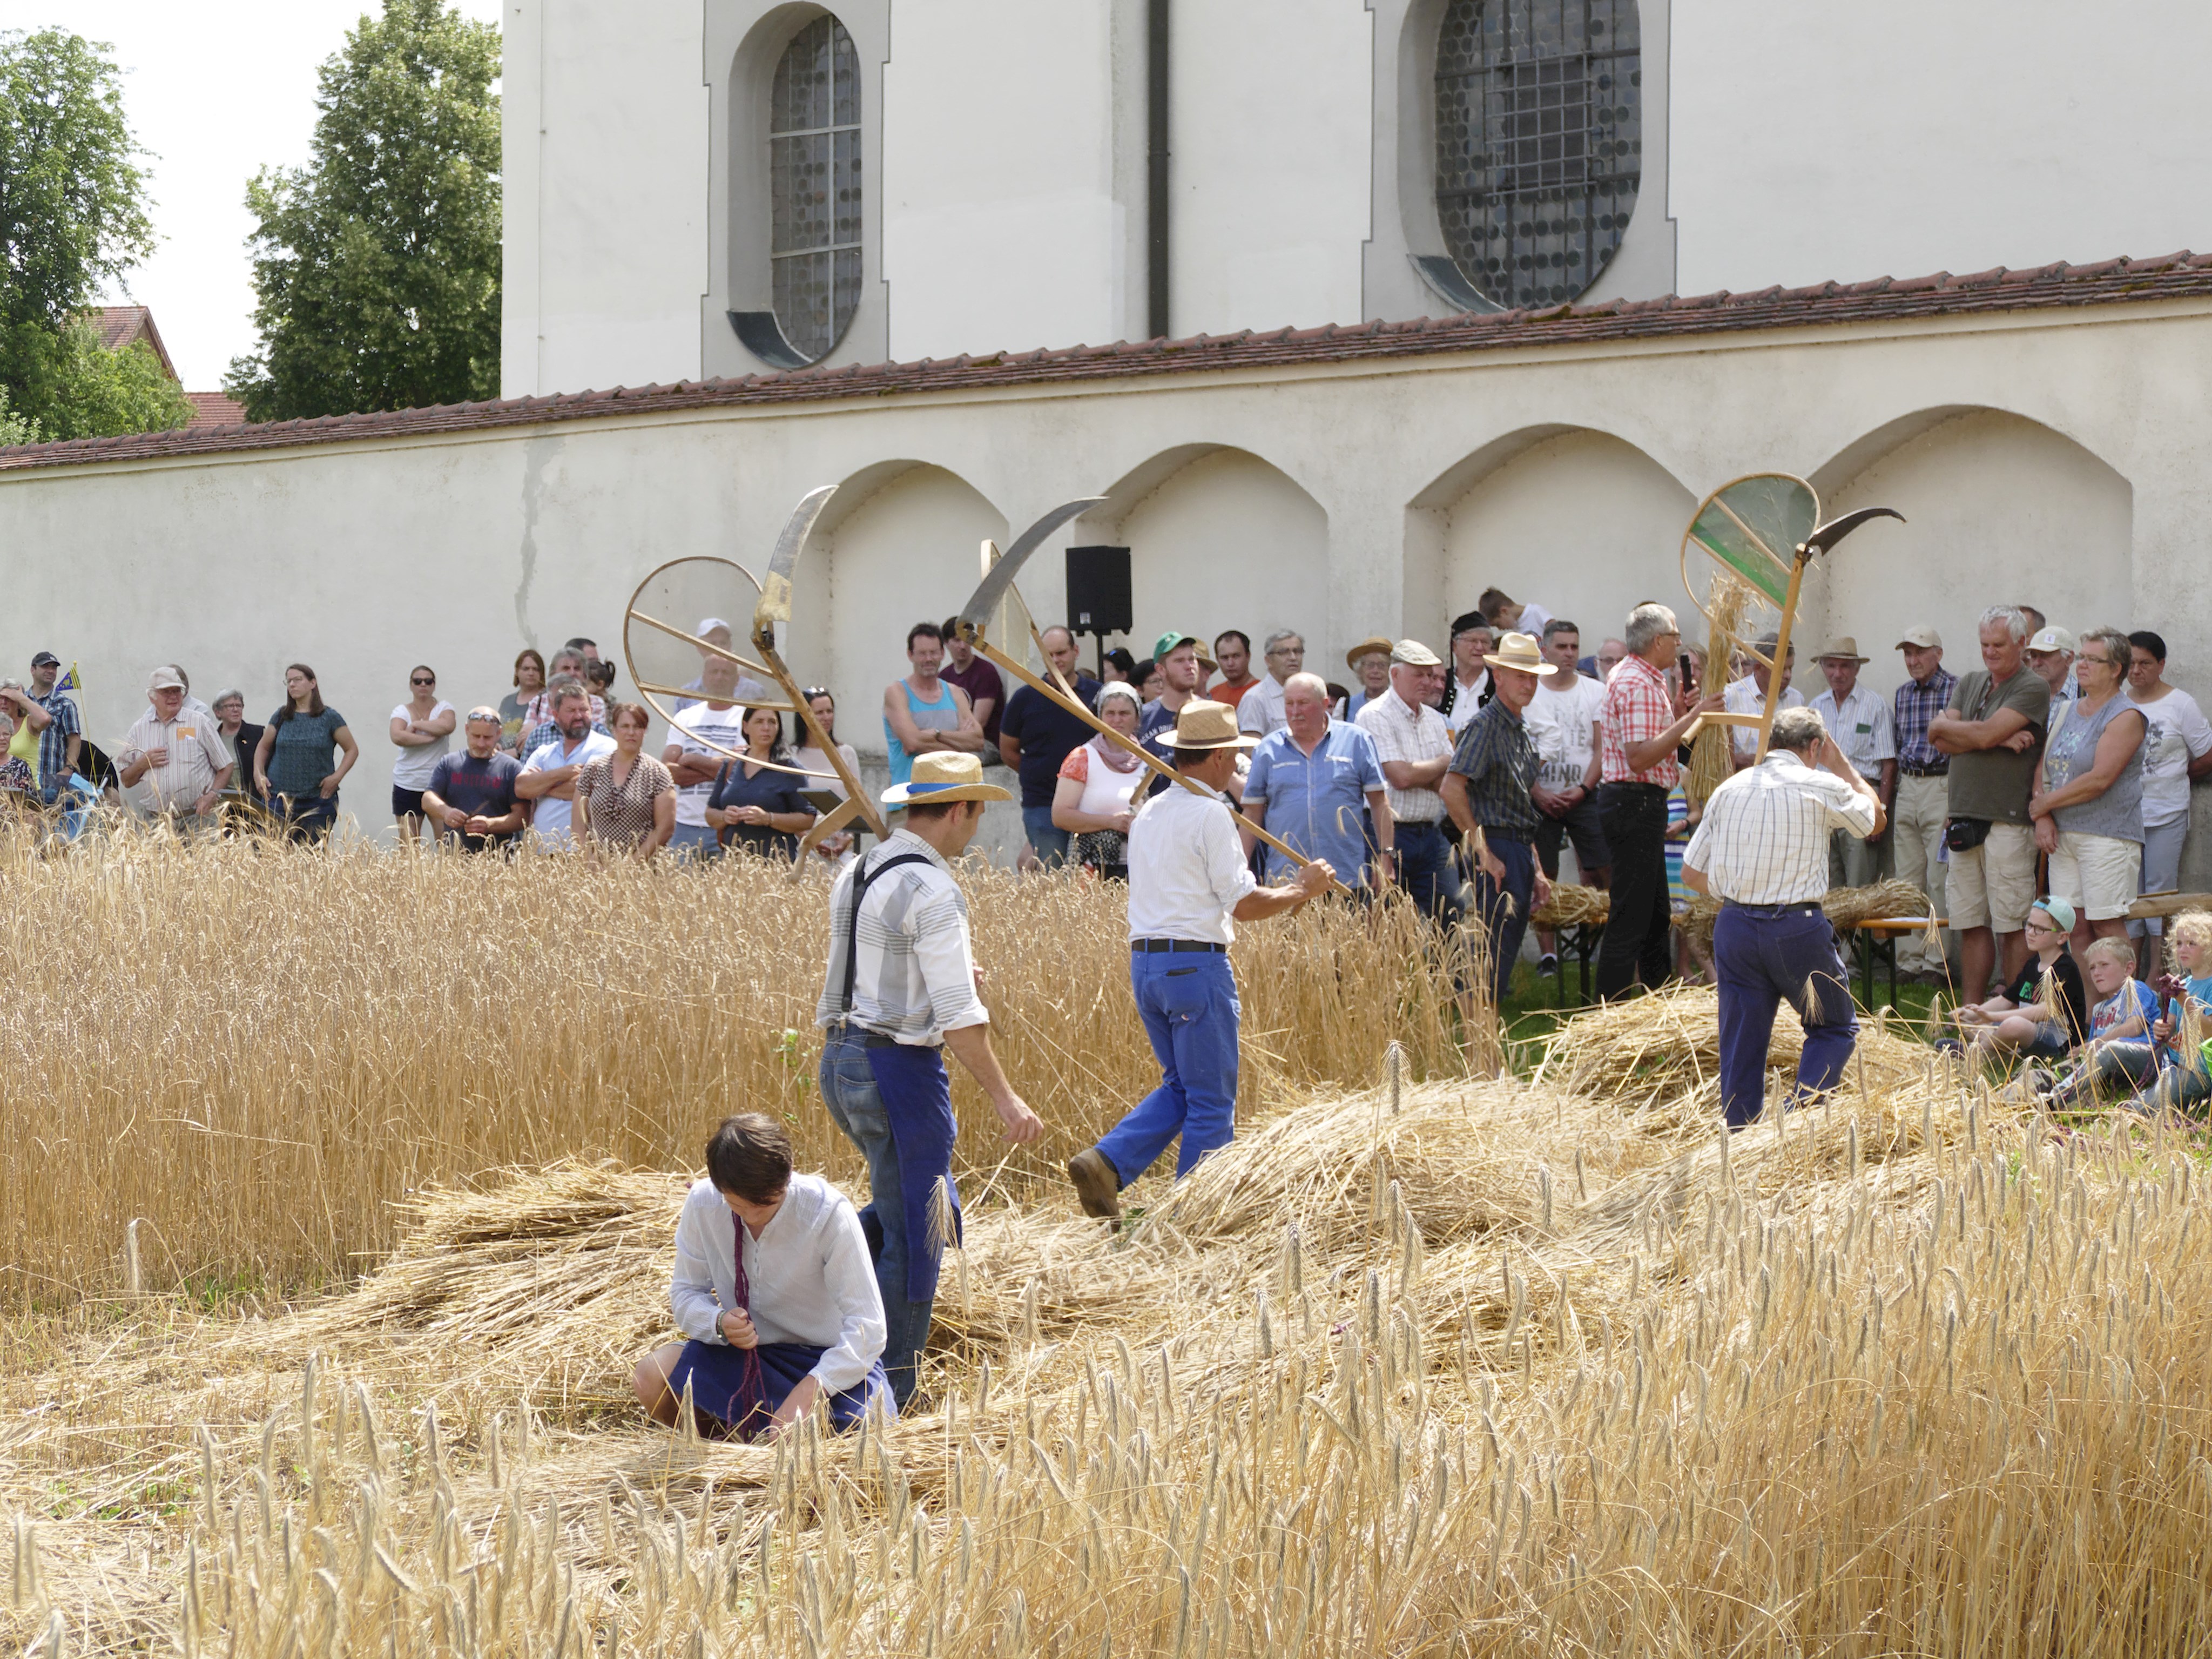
column 1876, row 938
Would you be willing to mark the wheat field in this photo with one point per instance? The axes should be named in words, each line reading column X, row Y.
column 1424, row 1363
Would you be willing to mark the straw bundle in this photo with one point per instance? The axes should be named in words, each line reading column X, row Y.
column 1572, row 905
column 1846, row 907
column 1712, row 762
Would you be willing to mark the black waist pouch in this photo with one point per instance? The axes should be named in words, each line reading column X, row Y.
column 1964, row 835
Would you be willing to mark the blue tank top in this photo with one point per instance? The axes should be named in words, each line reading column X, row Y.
column 943, row 715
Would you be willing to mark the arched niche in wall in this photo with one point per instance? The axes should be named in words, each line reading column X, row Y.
column 1219, row 539
column 898, row 544
column 749, row 322
column 1579, row 521
column 1999, row 509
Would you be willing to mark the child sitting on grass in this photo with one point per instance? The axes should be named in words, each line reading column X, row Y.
column 2119, row 1046
column 775, row 1289
column 2021, row 1020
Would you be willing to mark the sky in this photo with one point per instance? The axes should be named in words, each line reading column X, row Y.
column 215, row 92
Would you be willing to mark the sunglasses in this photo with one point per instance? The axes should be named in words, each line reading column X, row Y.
column 421, row 682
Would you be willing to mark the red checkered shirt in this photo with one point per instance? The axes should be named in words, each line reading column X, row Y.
column 1638, row 707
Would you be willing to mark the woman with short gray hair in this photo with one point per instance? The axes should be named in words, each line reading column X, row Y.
column 2088, row 803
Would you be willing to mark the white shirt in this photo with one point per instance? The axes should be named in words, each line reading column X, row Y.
column 1562, row 723
column 551, row 820
column 1186, row 868
column 1743, row 696
column 808, row 1273
column 1404, row 732
column 1259, row 710
column 1864, row 729
column 1467, row 700
column 197, row 751
column 2178, row 734
column 413, row 769
column 1764, row 837
column 722, row 726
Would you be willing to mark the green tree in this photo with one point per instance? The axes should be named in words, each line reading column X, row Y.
column 73, row 216
column 377, row 266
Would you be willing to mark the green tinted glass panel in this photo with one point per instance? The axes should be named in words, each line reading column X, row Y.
column 1754, row 525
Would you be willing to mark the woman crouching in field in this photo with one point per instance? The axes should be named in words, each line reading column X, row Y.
column 775, row 1291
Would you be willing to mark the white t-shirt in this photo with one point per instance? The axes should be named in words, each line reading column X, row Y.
column 413, row 769
column 722, row 726
column 1186, row 868
column 1559, row 724
column 1743, row 696
column 1466, row 699
column 554, row 817
column 2178, row 734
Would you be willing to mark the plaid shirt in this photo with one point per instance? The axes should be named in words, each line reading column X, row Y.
column 1499, row 761
column 1917, row 704
column 550, row 731
column 53, row 742
column 1402, row 734
column 1638, row 707
column 916, row 974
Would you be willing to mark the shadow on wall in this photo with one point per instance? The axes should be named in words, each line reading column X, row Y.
column 1579, row 521
column 1219, row 539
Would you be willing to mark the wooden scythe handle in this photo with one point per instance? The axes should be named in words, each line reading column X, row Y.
column 1075, row 707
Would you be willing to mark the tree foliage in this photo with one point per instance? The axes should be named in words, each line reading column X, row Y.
column 73, row 216
column 377, row 266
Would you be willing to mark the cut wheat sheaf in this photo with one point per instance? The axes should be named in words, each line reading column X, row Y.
column 1423, row 1364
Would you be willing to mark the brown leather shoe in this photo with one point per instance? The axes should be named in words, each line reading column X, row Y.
column 1098, row 1184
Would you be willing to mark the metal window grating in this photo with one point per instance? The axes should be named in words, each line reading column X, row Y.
column 1539, row 142
column 814, row 187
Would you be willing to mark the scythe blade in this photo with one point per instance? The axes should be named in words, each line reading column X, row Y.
column 774, row 604
column 985, row 599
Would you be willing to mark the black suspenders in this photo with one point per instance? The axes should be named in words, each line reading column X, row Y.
column 862, row 875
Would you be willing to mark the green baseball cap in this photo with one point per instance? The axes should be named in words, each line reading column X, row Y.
column 1173, row 639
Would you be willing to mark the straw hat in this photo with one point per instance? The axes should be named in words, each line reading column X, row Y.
column 1366, row 647
column 1842, row 648
column 1520, row 652
column 1203, row 725
column 939, row 776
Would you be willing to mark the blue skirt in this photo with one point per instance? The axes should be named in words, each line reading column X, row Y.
column 719, row 1376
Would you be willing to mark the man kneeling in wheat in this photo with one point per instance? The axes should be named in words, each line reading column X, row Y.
column 775, row 1289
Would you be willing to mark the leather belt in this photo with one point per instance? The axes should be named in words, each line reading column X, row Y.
column 1924, row 771
column 1153, row 946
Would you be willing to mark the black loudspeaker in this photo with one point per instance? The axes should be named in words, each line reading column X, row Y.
column 1098, row 599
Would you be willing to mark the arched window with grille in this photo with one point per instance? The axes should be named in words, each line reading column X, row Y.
column 814, row 188
column 1539, row 142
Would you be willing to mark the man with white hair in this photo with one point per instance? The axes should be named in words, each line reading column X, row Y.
column 2050, row 654
column 1259, row 710
column 1308, row 783
column 181, row 756
column 1762, row 849
column 1748, row 696
column 1415, row 747
column 1993, row 729
column 1643, row 720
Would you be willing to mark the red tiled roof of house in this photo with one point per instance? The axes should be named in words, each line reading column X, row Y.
column 214, row 408
column 2175, row 276
column 119, row 325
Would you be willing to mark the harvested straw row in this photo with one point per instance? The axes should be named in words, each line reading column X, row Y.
column 1846, row 907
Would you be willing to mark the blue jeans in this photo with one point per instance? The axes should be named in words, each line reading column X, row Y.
column 1505, row 909
column 1428, row 869
column 1047, row 840
column 856, row 1106
column 694, row 841
column 1762, row 955
column 309, row 818
column 1187, row 1000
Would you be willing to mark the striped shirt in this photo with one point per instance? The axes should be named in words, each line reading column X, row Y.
column 916, row 978
column 1412, row 734
column 1917, row 703
column 1764, row 837
column 1638, row 707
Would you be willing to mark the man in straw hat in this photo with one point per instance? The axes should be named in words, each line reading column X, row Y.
column 1859, row 722
column 1188, row 885
column 901, row 987
column 1488, row 791
column 1762, row 849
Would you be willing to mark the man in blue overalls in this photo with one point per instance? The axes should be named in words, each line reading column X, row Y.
column 901, row 987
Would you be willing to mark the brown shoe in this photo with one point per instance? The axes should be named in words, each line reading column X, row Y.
column 1097, row 1184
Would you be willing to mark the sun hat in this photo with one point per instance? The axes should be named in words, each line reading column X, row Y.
column 2058, row 909
column 1924, row 638
column 941, row 776
column 1203, row 725
column 1121, row 688
column 1414, row 654
column 708, row 624
column 2053, row 638
column 1366, row 647
column 1842, row 648
column 165, row 678
column 1520, row 653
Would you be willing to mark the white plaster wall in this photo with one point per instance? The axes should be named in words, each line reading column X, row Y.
column 1999, row 510
column 1893, row 137
column 1582, row 524
column 1000, row 226
column 608, row 264
column 1270, row 123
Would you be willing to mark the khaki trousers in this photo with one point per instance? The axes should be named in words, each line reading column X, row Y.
column 1916, row 837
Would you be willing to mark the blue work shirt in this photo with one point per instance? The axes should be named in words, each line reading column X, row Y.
column 1317, row 803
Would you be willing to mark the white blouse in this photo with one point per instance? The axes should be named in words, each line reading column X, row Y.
column 808, row 1274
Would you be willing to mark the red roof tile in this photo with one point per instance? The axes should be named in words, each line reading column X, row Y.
column 214, row 409
column 119, row 325
column 2175, row 276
